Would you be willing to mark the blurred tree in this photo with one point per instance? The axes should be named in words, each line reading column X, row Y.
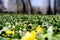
column 1, row 6
column 26, row 6
column 54, row 6
column 17, row 6
column 49, row 8
column 58, row 2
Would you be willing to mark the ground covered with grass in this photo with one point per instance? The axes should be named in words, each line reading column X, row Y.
column 29, row 27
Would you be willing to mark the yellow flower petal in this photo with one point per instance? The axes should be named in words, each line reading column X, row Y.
column 39, row 29
column 29, row 36
column 33, row 35
column 26, row 37
column 8, row 32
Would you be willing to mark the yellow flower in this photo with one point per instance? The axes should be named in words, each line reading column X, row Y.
column 8, row 32
column 33, row 35
column 29, row 36
column 39, row 29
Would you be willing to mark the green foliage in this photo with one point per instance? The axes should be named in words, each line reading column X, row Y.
column 20, row 24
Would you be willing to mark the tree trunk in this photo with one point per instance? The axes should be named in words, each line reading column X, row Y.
column 54, row 6
column 49, row 11
column 27, row 6
column 17, row 6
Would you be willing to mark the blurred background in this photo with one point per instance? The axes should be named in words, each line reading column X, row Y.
column 30, row 6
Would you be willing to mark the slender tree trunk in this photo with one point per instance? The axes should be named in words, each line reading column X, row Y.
column 54, row 6
column 27, row 7
column 23, row 6
column 49, row 8
column 17, row 6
